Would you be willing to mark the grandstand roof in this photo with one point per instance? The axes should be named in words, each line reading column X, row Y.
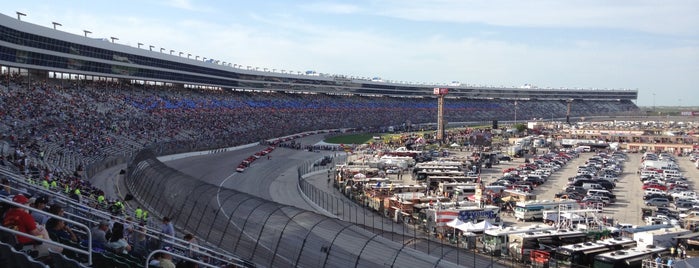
column 30, row 46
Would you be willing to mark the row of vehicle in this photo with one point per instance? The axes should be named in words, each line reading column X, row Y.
column 662, row 181
column 247, row 161
column 595, row 181
column 530, row 175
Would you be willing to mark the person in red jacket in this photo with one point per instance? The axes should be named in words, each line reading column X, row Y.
column 19, row 219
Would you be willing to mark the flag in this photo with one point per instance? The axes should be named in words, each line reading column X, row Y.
column 442, row 217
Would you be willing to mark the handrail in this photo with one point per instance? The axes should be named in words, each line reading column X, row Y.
column 89, row 234
column 150, row 232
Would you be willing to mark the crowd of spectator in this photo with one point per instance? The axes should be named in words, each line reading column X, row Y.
column 51, row 130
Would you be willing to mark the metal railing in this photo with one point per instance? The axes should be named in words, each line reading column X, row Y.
column 49, row 241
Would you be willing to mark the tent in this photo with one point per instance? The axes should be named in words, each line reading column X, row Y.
column 455, row 145
column 466, row 227
column 455, row 223
column 482, row 226
column 458, row 224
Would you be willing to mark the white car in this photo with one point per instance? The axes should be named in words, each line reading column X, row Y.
column 653, row 191
column 688, row 194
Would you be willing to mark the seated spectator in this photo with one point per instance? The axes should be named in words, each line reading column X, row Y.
column 117, row 242
column 99, row 235
column 19, row 219
column 166, row 261
column 40, row 204
column 5, row 191
column 193, row 247
column 155, row 261
column 139, row 240
column 57, row 230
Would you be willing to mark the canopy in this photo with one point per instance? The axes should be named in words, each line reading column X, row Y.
column 482, row 226
column 455, row 145
column 469, row 226
column 455, row 223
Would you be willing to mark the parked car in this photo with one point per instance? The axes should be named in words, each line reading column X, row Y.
column 658, row 202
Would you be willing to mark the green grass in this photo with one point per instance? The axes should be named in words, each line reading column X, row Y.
column 350, row 139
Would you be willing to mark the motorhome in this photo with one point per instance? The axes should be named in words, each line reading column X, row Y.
column 521, row 245
column 627, row 258
column 534, row 210
column 583, row 254
column 495, row 241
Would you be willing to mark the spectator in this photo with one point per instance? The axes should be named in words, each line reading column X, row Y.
column 40, row 204
column 58, row 232
column 19, row 219
column 140, row 243
column 155, row 261
column 5, row 190
column 166, row 261
column 100, row 234
column 193, row 247
column 167, row 230
column 117, row 242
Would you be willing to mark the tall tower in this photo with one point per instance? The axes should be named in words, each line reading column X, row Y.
column 440, row 92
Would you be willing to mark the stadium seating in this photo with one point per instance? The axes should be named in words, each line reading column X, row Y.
column 64, row 133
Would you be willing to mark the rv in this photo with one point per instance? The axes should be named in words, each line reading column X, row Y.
column 495, row 241
column 583, row 254
column 521, row 245
column 534, row 210
column 627, row 258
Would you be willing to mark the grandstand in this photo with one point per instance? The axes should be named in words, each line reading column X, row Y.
column 72, row 106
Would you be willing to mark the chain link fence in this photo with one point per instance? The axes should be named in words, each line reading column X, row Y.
column 407, row 233
column 270, row 234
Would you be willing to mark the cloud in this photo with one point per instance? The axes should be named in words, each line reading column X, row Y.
column 188, row 5
column 675, row 17
column 334, row 8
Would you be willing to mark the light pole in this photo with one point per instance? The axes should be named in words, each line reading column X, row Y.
column 56, row 24
column 86, row 32
column 515, row 113
column 114, row 39
column 171, row 51
column 19, row 15
column 151, row 47
column 181, row 53
column 139, row 45
column 161, row 50
column 189, row 55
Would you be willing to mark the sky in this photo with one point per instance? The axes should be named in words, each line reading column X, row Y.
column 647, row 45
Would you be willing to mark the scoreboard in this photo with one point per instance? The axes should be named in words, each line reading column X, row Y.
column 441, row 91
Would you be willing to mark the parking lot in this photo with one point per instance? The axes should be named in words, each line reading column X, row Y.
column 629, row 194
column 628, row 191
column 629, row 203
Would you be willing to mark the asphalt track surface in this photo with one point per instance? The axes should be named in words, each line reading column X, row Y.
column 273, row 179
column 276, row 179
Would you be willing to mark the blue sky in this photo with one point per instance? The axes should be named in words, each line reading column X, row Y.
column 649, row 45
